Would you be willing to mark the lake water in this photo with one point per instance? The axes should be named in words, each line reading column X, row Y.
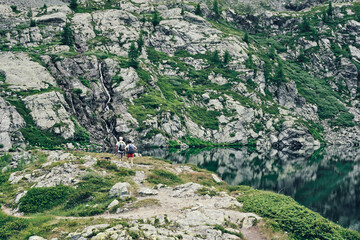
column 326, row 180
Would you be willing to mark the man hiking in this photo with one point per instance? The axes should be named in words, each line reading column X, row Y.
column 120, row 148
column 130, row 150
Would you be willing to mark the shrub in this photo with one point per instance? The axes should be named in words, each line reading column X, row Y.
column 67, row 36
column 41, row 199
column 155, row 19
column 227, row 57
column 73, row 5
column 14, row 9
column 164, row 177
column 140, row 42
column 305, row 25
column 198, row 9
column 216, row 8
column 77, row 91
column 246, row 37
column 133, row 55
column 32, row 23
column 5, row 160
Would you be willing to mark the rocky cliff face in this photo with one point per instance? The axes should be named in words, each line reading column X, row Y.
column 160, row 74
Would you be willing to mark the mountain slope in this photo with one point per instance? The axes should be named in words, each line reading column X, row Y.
column 162, row 75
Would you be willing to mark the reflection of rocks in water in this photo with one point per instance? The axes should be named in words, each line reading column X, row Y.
column 325, row 180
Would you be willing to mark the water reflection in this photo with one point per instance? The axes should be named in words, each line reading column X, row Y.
column 325, row 180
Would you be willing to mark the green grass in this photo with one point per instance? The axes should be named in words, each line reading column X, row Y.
column 164, row 177
column 286, row 214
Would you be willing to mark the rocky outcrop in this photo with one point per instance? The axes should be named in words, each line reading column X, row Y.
column 32, row 76
column 181, row 88
column 49, row 111
column 10, row 123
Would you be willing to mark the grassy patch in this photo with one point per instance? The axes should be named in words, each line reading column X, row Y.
column 164, row 177
column 206, row 191
column 145, row 203
column 287, row 215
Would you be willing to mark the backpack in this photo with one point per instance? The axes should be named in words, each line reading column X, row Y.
column 131, row 149
column 122, row 146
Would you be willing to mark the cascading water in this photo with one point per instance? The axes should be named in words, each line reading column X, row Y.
column 106, row 108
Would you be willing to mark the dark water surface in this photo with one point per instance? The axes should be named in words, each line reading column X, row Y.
column 325, row 180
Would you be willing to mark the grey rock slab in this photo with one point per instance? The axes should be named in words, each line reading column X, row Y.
column 185, row 190
column 120, row 189
column 91, row 229
column 36, row 238
column 148, row 192
column 31, row 75
column 216, row 178
column 48, row 109
column 113, row 204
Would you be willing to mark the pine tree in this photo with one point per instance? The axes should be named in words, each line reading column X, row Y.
column 182, row 12
column 198, row 9
column 215, row 57
column 67, row 35
column 133, row 55
column 140, row 42
column 330, row 11
column 246, row 37
column 73, row 5
column 216, row 8
column 32, row 23
column 156, row 19
column 305, row 26
column 227, row 57
column 279, row 76
column 30, row 13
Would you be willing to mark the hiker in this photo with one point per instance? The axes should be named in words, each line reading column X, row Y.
column 120, row 148
column 130, row 150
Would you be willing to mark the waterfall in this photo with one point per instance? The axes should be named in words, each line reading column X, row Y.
column 104, row 88
column 107, row 102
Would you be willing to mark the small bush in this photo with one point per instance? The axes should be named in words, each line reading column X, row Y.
column 41, row 199
column 77, row 91
column 5, row 160
column 164, row 177
column 14, row 9
column 32, row 23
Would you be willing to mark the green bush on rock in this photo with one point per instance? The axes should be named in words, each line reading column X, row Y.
column 44, row 198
